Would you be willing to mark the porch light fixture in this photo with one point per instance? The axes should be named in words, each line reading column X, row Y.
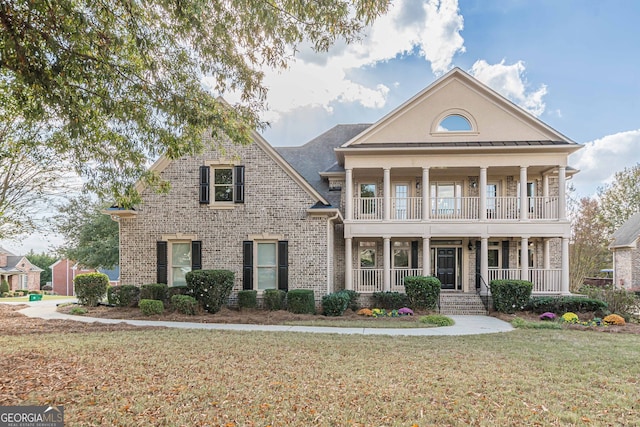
column 473, row 183
column 470, row 246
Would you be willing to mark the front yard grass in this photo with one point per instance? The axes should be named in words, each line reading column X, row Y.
column 225, row 378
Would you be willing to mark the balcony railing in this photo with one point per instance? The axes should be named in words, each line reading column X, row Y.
column 455, row 208
column 545, row 281
column 398, row 275
column 369, row 280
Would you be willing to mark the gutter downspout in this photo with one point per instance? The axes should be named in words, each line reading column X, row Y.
column 330, row 252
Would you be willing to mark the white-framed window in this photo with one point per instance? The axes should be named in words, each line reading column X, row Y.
column 179, row 262
column 265, row 263
column 222, row 184
column 266, row 266
column 446, row 197
column 494, row 254
column 367, row 254
column 401, row 254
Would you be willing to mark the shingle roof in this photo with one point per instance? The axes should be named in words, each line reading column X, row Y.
column 317, row 156
column 628, row 233
column 12, row 265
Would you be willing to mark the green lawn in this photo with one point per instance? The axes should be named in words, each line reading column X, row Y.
column 26, row 298
column 192, row 378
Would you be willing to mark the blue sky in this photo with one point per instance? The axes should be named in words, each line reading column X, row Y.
column 573, row 63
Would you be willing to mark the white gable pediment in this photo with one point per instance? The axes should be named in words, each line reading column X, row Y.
column 490, row 117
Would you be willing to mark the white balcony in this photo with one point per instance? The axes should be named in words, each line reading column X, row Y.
column 545, row 281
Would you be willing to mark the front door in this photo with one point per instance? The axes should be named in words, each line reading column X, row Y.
column 446, row 264
column 401, row 205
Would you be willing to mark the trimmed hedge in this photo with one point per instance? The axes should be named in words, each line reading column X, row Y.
column 157, row 291
column 177, row 290
column 248, row 299
column 423, row 292
column 335, row 304
column 301, row 301
column 510, row 296
column 90, row 288
column 184, row 304
column 565, row 304
column 390, row 300
column 210, row 287
column 274, row 299
column 149, row 307
column 353, row 299
column 123, row 295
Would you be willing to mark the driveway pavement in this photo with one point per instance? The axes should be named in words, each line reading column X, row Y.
column 464, row 325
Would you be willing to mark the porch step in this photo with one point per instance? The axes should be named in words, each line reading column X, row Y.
column 461, row 304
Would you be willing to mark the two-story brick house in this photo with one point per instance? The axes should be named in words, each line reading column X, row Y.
column 457, row 182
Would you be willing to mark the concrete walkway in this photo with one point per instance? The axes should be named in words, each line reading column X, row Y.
column 465, row 325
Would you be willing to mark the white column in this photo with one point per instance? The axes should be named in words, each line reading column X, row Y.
column 426, row 190
column 387, row 194
column 348, row 194
column 524, row 203
column 562, row 192
column 564, row 284
column 482, row 190
column 426, row 256
column 386, row 264
column 348, row 263
column 484, row 265
column 547, row 254
column 524, row 258
column 545, row 185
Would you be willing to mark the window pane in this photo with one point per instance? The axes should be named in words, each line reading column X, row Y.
column 454, row 123
column 368, row 258
column 223, row 176
column 401, row 258
column 367, row 190
column 179, row 275
column 266, row 278
column 181, row 254
column 493, row 258
column 224, row 193
column 267, row 254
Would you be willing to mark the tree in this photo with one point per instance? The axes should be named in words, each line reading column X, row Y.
column 588, row 252
column 121, row 81
column 92, row 238
column 620, row 199
column 44, row 261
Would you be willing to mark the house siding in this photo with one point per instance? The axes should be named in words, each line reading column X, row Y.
column 274, row 204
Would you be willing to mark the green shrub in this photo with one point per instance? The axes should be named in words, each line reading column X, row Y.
column 184, row 304
column 78, row 311
column 210, row 287
column 618, row 301
column 150, row 307
column 335, row 304
column 157, row 291
column 390, row 300
column 123, row 295
column 423, row 292
column 274, row 299
column 4, row 287
column 437, row 319
column 565, row 303
column 90, row 288
column 247, row 299
column 353, row 299
column 177, row 290
column 510, row 295
column 34, row 293
column 301, row 301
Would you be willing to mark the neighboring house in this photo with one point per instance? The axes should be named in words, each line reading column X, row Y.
column 626, row 254
column 19, row 272
column 457, row 182
column 64, row 271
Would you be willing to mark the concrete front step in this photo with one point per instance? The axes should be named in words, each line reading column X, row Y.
column 461, row 304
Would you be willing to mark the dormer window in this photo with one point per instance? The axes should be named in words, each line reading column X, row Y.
column 455, row 123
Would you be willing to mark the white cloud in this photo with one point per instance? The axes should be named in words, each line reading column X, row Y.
column 599, row 160
column 509, row 81
column 431, row 28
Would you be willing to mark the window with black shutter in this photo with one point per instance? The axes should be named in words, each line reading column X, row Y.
column 238, row 176
column 196, row 255
column 283, row 265
column 204, row 184
column 162, row 266
column 247, row 265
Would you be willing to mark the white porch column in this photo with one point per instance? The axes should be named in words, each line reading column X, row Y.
column 562, row 192
column 348, row 264
column 386, row 264
column 482, row 190
column 387, row 194
column 524, row 202
column 545, row 185
column 564, row 284
column 348, row 194
column 547, row 254
column 426, row 190
column 484, row 265
column 426, row 256
column 524, row 258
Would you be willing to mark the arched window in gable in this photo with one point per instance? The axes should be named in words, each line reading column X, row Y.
column 455, row 123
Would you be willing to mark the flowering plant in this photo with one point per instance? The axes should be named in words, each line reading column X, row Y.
column 614, row 319
column 405, row 311
column 570, row 317
column 364, row 312
column 547, row 316
column 379, row 312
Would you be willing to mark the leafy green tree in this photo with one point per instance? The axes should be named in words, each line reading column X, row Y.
column 121, row 81
column 620, row 199
column 44, row 261
column 92, row 238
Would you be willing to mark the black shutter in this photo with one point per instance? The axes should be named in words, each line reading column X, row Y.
column 204, row 184
column 161, row 252
column 414, row 255
column 247, row 265
column 478, row 260
column 238, row 173
column 283, row 265
column 196, row 255
column 505, row 254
